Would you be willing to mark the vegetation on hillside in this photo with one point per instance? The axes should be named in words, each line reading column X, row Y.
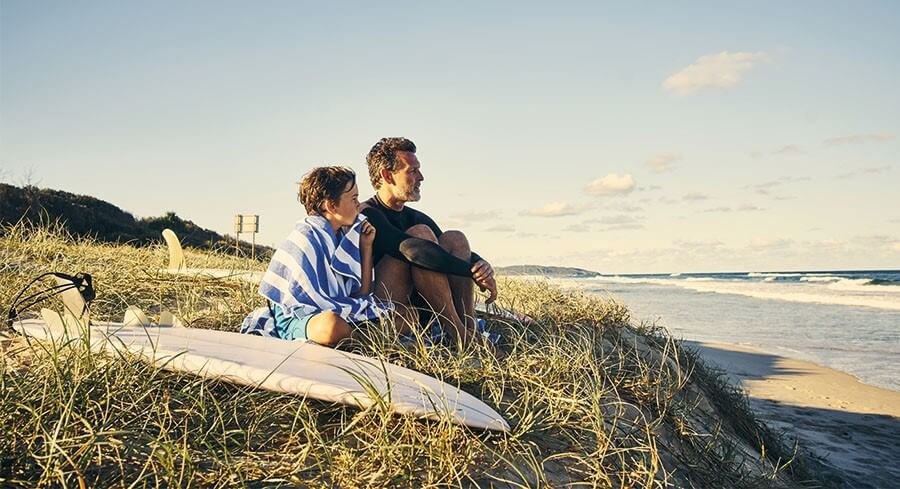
column 593, row 400
column 86, row 216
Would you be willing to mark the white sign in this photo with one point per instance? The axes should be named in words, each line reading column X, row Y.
column 246, row 223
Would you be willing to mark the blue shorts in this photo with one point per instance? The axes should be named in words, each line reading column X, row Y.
column 289, row 327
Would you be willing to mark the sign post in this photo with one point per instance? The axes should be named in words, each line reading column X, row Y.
column 246, row 223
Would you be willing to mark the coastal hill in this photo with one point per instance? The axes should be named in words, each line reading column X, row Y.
column 593, row 400
column 546, row 271
column 86, row 216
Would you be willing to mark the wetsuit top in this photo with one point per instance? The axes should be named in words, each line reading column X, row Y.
column 391, row 239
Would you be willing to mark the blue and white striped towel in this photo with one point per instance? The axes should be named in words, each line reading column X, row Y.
column 315, row 271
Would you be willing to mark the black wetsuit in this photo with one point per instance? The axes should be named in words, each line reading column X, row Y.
column 391, row 239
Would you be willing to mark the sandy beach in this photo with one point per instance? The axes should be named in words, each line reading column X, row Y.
column 853, row 427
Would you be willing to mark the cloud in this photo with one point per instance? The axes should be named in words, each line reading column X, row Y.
column 502, row 228
column 555, row 209
column 872, row 170
column 476, row 216
column 611, row 184
column 723, row 70
column 896, row 246
column 742, row 208
column 615, row 220
column 763, row 244
column 787, row 149
column 689, row 244
column 693, row 197
column 858, row 139
column 765, row 188
column 663, row 161
column 626, row 208
column 577, row 228
column 624, row 227
column 651, row 188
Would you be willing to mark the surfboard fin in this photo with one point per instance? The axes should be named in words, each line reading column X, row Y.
column 75, row 311
column 176, row 254
column 52, row 318
column 167, row 319
column 134, row 316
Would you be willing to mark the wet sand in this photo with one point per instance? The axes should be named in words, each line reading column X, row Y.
column 853, row 427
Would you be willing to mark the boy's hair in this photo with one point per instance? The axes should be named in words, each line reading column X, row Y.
column 384, row 155
column 324, row 183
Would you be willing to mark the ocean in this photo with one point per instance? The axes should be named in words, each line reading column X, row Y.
column 845, row 320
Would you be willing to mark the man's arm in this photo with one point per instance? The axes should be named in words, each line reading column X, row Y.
column 395, row 242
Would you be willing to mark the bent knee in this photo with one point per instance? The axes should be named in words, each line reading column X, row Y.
column 455, row 241
column 328, row 328
column 421, row 231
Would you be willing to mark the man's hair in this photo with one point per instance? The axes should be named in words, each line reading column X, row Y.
column 384, row 156
column 324, row 183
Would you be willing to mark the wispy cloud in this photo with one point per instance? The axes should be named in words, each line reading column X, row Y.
column 787, row 149
column 663, row 161
column 555, row 209
column 624, row 227
column 502, row 228
column 577, row 228
column 858, row 139
column 694, row 197
column 611, row 184
column 615, row 220
column 766, row 188
column 722, row 70
column 741, row 208
column 871, row 170
column 765, row 244
column 476, row 216
column 692, row 244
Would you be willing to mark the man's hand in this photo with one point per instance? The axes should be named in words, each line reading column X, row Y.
column 366, row 235
column 482, row 270
column 488, row 285
column 483, row 275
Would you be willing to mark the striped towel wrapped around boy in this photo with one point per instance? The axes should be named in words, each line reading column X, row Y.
column 314, row 271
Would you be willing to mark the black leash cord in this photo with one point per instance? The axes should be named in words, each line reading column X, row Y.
column 82, row 282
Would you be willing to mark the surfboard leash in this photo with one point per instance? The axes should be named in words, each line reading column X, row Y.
column 82, row 282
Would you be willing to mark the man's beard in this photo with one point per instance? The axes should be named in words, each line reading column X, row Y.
column 411, row 194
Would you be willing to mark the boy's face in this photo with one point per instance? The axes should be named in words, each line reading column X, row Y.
column 346, row 208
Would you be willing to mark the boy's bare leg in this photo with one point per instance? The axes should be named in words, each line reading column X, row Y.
column 461, row 288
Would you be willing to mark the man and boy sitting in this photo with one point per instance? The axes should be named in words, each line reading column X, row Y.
column 320, row 281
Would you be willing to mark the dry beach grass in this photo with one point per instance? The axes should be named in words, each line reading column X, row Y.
column 593, row 400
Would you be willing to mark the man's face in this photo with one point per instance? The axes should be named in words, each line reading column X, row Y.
column 407, row 177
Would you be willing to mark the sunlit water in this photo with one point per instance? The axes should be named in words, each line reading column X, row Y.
column 849, row 321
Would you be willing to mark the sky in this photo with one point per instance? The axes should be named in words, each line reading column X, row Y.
column 619, row 137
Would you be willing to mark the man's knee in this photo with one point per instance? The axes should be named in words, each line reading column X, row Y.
column 455, row 242
column 422, row 231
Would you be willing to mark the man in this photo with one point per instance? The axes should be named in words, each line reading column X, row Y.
column 413, row 257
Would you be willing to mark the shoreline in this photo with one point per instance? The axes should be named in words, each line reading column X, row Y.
column 852, row 426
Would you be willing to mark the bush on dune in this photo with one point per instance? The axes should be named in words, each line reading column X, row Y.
column 592, row 400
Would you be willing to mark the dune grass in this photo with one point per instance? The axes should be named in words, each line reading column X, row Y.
column 593, row 400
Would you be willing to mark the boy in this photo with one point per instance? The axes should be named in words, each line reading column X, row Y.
column 319, row 282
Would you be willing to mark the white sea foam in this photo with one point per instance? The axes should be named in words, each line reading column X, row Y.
column 846, row 292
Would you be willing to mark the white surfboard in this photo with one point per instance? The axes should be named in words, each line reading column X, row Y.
column 178, row 265
column 293, row 367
